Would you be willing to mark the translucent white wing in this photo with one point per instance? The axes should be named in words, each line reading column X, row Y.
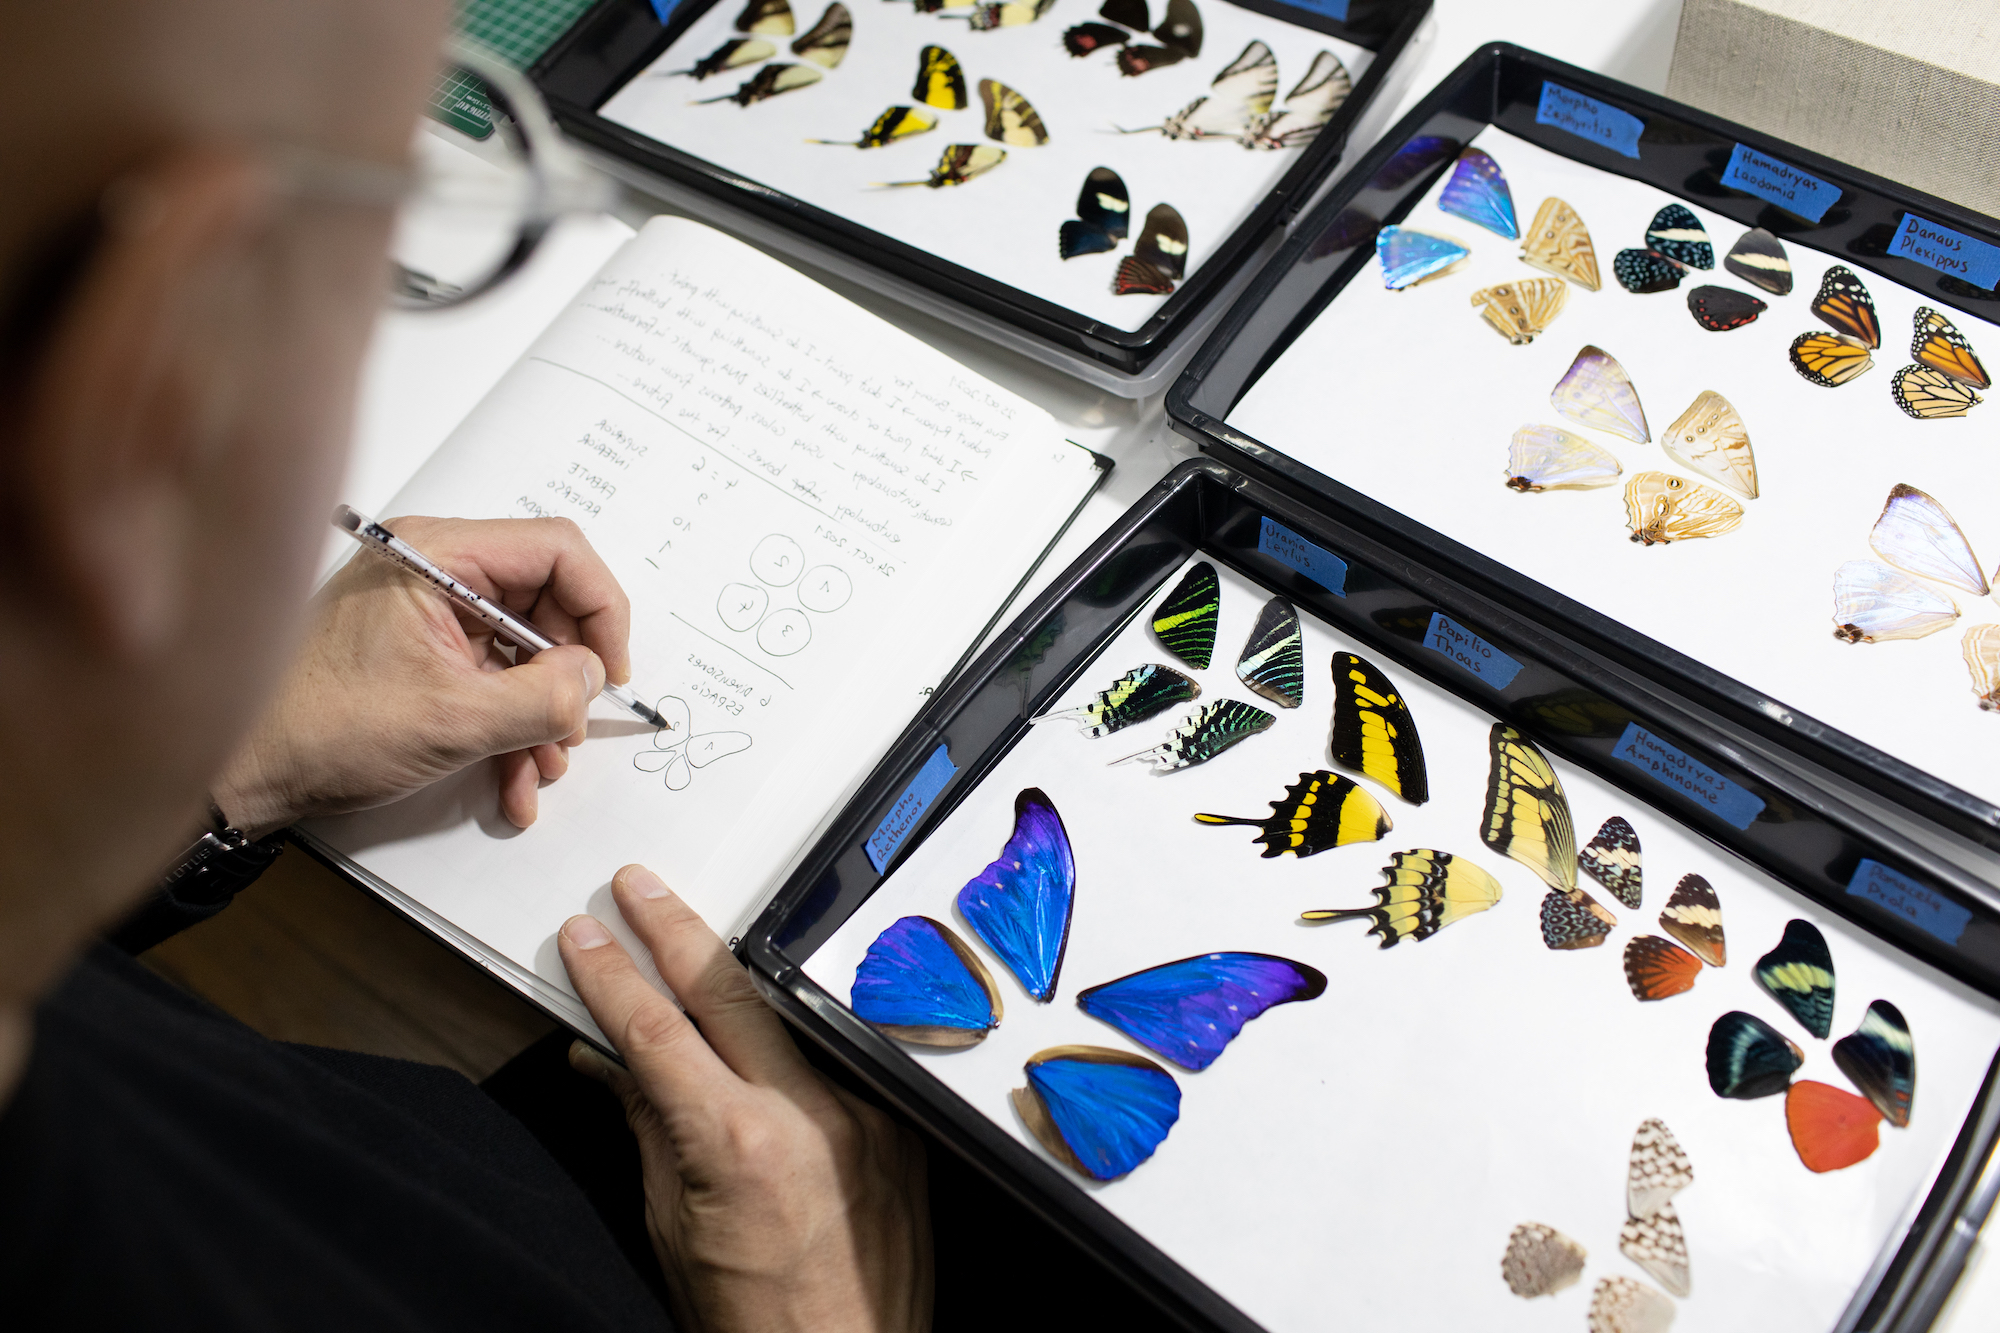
column 1310, row 105
column 1915, row 534
column 1251, row 80
column 1548, row 458
column 1872, row 602
column 1710, row 438
column 1982, row 659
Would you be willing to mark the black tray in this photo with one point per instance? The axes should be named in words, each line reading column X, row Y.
column 619, row 38
column 1812, row 841
column 1681, row 151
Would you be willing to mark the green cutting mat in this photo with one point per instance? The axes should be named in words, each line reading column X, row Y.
column 517, row 30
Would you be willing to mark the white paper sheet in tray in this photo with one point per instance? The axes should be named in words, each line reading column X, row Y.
column 1409, row 397
column 1002, row 224
column 1358, row 1160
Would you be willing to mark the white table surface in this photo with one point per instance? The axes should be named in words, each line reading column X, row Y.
column 425, row 371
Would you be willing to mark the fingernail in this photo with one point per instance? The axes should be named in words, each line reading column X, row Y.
column 586, row 932
column 593, row 674
column 646, row 884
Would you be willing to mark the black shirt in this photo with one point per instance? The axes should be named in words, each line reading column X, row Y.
column 162, row 1167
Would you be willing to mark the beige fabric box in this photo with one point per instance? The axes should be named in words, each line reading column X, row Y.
column 1907, row 89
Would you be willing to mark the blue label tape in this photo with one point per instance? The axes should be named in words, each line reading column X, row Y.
column 1949, row 252
column 909, row 808
column 1468, row 651
column 1333, row 9
column 1587, row 118
column 1317, row 563
column 1779, row 183
column 1675, row 771
column 1921, row 907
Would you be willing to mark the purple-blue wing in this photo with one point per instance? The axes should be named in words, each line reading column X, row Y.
column 1111, row 1113
column 1189, row 1010
column 921, row 983
column 1020, row 905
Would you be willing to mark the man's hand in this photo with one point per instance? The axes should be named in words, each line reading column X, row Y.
column 776, row 1201
column 394, row 688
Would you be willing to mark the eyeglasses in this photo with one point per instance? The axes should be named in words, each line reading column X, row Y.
column 470, row 212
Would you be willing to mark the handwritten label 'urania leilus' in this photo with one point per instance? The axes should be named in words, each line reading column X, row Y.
column 909, row 808
column 1587, row 118
column 1468, row 651
column 1779, row 183
column 1696, row 781
column 1924, row 908
column 1952, row 253
column 1317, row 563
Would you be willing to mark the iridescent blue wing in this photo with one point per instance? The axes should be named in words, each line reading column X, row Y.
column 1409, row 257
column 1020, row 904
column 1100, row 1111
column 921, row 983
column 1477, row 192
column 1189, row 1010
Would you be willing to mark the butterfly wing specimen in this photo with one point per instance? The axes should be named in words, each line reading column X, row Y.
column 1273, row 661
column 1549, row 458
column 1103, row 216
column 1656, row 968
column 1179, row 37
column 1882, row 1061
column 1873, row 603
column 1612, row 858
column 767, row 18
column 1799, row 975
column 1426, row 891
column 1477, row 192
column 1918, row 536
column 1559, row 243
column 940, row 80
column 958, row 164
column 769, row 82
column 1409, row 257
column 1020, row 905
column 1982, row 658
column 1236, row 100
column 1140, row 693
column 1831, row 1128
column 1759, row 259
column 1694, row 917
column 1527, row 815
column 1085, row 38
column 1540, row 1261
column 1319, row 811
column 1829, row 360
column 1009, row 118
column 1131, row 13
column 922, row 984
column 1596, row 392
column 1373, row 733
column 1720, row 309
column 732, row 54
column 1710, row 438
column 1939, row 345
column 1928, row 394
column 1678, row 234
column 1098, row 1111
column 1748, row 1058
column 1662, row 508
column 898, row 122
column 1011, row 14
column 1185, row 622
column 1189, row 1010
column 1520, row 310
column 826, row 44
column 1845, row 306
column 1641, row 272
column 1159, row 257
column 1656, row 1171
column 1309, row 106
column 1620, row 1305
column 1572, row 919
column 1206, row 733
column 1657, row 1244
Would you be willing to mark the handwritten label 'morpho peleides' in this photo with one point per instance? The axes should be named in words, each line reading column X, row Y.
column 1699, row 783
column 1605, row 125
column 1779, row 183
column 1951, row 253
column 909, row 808
column 1922, row 907
column 1466, row 650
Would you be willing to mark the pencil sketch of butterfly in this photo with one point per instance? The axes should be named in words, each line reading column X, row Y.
column 679, row 751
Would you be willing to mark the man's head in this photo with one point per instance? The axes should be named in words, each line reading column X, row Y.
column 179, row 339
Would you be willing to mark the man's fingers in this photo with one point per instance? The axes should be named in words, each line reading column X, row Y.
column 660, row 1047
column 543, row 701
column 718, row 994
column 520, row 788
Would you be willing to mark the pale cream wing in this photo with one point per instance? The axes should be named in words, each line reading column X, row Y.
column 1660, row 508
column 1710, row 438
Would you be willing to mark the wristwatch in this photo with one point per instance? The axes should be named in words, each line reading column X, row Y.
column 219, row 863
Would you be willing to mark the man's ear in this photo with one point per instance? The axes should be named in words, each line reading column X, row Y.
column 125, row 406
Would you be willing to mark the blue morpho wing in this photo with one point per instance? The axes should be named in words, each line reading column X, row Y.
column 920, row 983
column 1020, row 905
column 1477, row 192
column 1189, row 1010
column 1110, row 1109
column 1411, row 256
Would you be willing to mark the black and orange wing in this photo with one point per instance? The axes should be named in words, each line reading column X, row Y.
column 1939, row 345
column 1844, row 304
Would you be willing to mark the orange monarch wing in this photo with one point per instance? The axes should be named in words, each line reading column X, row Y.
column 1939, row 345
column 1845, row 305
column 1829, row 360
column 1925, row 393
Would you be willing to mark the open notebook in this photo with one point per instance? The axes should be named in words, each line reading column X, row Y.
column 815, row 515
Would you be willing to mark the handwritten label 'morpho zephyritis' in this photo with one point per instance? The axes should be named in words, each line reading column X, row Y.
column 1692, row 779
column 1952, row 253
column 1779, row 183
column 1605, row 125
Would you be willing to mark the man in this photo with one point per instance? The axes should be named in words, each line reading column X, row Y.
column 182, row 324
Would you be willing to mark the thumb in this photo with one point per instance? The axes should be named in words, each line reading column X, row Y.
column 543, row 700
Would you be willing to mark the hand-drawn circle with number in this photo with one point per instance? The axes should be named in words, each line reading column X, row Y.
column 742, row 605
column 825, row 588
column 777, row 560
column 784, row 632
